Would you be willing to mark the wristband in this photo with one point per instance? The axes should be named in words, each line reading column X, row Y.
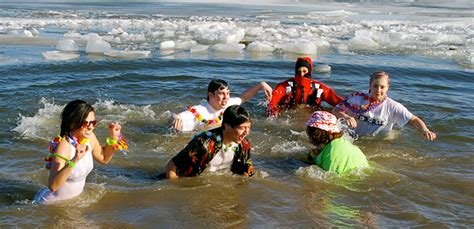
column 68, row 162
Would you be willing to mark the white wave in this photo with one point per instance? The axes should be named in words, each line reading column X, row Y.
column 313, row 172
column 289, row 147
column 46, row 122
column 41, row 125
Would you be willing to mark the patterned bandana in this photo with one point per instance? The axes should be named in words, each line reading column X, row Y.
column 324, row 121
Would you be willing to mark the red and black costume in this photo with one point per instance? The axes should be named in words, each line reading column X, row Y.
column 301, row 90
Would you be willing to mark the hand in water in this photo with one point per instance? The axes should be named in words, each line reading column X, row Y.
column 177, row 122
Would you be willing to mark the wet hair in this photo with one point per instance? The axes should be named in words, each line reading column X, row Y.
column 73, row 115
column 235, row 115
column 318, row 136
column 216, row 85
column 378, row 75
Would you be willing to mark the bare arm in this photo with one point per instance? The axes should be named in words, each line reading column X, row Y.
column 419, row 124
column 177, row 122
column 103, row 154
column 60, row 170
column 251, row 92
column 171, row 170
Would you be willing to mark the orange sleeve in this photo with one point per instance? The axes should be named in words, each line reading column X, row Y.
column 277, row 95
column 331, row 97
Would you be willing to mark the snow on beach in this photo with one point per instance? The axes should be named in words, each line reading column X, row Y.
column 347, row 31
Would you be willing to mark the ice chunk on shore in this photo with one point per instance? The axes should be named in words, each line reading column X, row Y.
column 449, row 39
column 228, row 47
column 72, row 35
column 95, row 44
column 116, row 31
column 58, row 55
column 259, row 46
column 67, row 45
column 35, row 32
column 167, row 45
column 128, row 54
column 363, row 41
column 301, row 47
column 359, row 43
column 199, row 48
column 26, row 33
column 185, row 45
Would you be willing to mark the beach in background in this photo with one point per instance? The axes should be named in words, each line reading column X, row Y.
column 138, row 63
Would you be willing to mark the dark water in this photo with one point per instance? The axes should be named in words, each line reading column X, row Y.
column 411, row 182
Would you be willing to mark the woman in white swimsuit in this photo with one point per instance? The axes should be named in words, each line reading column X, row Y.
column 73, row 151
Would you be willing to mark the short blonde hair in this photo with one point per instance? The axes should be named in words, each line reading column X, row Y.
column 378, row 75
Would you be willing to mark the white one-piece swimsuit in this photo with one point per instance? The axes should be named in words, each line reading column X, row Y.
column 75, row 182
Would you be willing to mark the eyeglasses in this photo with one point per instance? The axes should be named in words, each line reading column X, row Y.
column 87, row 124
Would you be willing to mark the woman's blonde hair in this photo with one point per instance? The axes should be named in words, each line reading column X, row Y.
column 378, row 75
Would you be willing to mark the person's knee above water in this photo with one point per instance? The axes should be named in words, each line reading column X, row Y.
column 208, row 115
column 332, row 152
column 220, row 149
column 375, row 113
column 73, row 152
column 301, row 89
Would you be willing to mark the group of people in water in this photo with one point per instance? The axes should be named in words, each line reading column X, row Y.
column 224, row 124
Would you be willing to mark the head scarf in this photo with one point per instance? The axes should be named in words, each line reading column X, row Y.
column 324, row 121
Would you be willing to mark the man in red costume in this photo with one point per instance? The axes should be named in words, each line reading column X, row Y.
column 301, row 89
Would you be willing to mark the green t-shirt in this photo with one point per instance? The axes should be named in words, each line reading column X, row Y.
column 340, row 156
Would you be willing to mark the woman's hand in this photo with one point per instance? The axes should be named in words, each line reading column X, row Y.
column 351, row 122
column 429, row 135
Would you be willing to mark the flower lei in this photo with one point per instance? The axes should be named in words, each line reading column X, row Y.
column 214, row 145
column 53, row 146
column 199, row 117
column 369, row 105
column 120, row 144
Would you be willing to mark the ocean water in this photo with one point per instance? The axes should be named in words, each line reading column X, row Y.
column 427, row 48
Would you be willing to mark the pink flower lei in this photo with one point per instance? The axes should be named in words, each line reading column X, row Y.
column 369, row 105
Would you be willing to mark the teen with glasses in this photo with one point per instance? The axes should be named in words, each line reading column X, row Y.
column 73, row 152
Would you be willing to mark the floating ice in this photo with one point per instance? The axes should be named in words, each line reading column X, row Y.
column 260, row 47
column 67, row 45
column 58, row 55
column 323, row 68
column 213, row 33
column 300, row 47
column 95, row 44
column 128, row 54
column 167, row 45
column 199, row 48
column 228, row 47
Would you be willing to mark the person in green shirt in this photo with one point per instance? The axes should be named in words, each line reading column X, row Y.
column 333, row 152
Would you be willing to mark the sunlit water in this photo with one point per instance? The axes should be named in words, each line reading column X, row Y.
column 411, row 182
